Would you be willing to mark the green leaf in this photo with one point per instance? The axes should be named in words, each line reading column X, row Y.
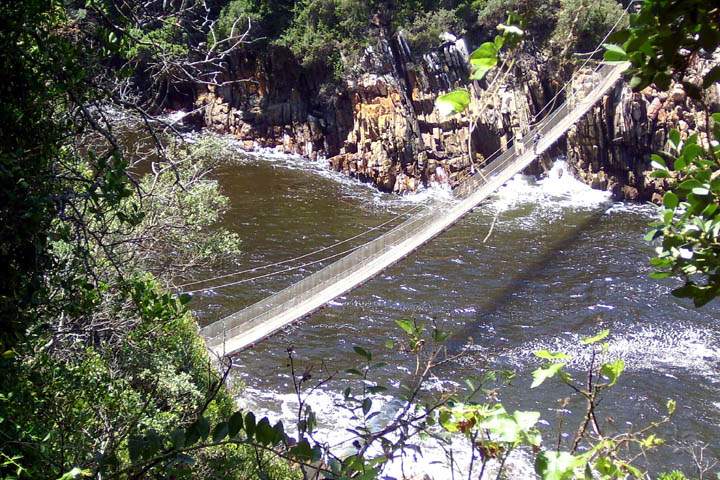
column 407, row 325
column 264, row 433
column 674, row 137
column 302, row 451
column 478, row 72
column 636, row 82
column 700, row 191
column 202, row 427
column 220, row 431
column 712, row 76
column 445, row 420
column 556, row 465
column 526, row 420
column 503, row 428
column 363, row 353
column 486, row 50
column 548, row 355
column 660, row 275
column 75, row 473
column 249, row 422
column 657, row 161
column 689, row 184
column 177, row 438
column 453, row 102
column 670, row 200
column 439, row 336
column 602, row 335
column 235, row 424
column 511, row 30
column 652, row 234
column 366, row 405
column 614, row 53
column 671, row 406
column 691, row 151
column 613, row 370
column 619, row 37
column 542, row 374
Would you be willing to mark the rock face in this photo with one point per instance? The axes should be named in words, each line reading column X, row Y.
column 268, row 99
column 379, row 124
column 610, row 147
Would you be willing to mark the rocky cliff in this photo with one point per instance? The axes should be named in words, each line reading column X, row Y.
column 610, row 147
column 379, row 123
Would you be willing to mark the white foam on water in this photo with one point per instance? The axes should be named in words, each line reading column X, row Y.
column 689, row 348
column 550, row 195
column 647, row 210
column 333, row 420
column 424, row 195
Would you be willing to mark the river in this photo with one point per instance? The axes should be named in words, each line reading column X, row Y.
column 562, row 262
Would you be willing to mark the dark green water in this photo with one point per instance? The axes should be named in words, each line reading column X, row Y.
column 563, row 262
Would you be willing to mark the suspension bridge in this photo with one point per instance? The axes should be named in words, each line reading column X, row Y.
column 264, row 318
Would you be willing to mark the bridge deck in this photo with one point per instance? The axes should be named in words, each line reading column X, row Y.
column 256, row 322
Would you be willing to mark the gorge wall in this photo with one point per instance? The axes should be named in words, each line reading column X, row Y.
column 379, row 123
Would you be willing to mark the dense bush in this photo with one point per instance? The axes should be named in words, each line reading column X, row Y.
column 582, row 24
column 425, row 31
column 267, row 18
column 538, row 17
column 97, row 361
column 327, row 30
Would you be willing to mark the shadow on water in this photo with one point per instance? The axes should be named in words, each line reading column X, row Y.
column 506, row 294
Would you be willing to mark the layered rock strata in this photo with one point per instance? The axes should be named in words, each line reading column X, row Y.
column 610, row 147
column 379, row 124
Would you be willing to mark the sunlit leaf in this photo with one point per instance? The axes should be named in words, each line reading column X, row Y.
column 542, row 374
column 453, row 102
column 613, row 370
column 602, row 335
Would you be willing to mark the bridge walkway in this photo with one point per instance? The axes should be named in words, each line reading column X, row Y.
column 260, row 320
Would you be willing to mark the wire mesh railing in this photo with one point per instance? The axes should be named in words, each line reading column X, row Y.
column 303, row 297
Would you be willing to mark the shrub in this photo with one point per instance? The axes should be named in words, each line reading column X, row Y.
column 425, row 30
column 539, row 17
column 322, row 31
column 582, row 24
column 268, row 18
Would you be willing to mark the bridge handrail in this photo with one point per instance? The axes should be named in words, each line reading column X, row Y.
column 304, row 290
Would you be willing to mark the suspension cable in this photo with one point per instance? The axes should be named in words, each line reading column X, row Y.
column 283, row 262
column 493, row 169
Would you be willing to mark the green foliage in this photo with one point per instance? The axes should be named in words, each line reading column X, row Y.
column 454, row 102
column 424, row 31
column 493, row 433
column 674, row 475
column 484, row 59
column 322, row 31
column 660, row 42
column 264, row 17
column 690, row 219
column 31, row 95
column 663, row 38
column 582, row 24
column 167, row 40
column 539, row 17
column 181, row 209
column 99, row 366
